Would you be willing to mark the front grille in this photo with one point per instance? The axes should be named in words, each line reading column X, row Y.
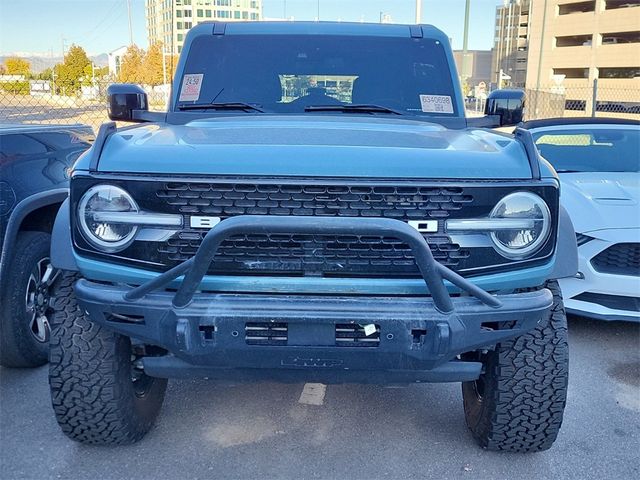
column 619, row 259
column 292, row 255
column 228, row 199
column 312, row 254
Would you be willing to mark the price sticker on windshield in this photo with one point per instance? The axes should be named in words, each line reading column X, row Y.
column 191, row 84
column 436, row 103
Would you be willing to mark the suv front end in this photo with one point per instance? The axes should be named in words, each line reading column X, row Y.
column 322, row 240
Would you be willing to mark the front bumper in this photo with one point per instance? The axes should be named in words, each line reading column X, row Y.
column 412, row 339
column 595, row 294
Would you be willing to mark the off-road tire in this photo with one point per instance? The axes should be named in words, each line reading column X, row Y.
column 18, row 347
column 523, row 389
column 90, row 378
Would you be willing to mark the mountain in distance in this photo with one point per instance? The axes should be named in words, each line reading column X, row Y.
column 40, row 62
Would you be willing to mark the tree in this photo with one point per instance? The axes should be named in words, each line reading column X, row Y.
column 153, row 73
column 71, row 73
column 131, row 67
column 3, row 69
column 45, row 74
column 17, row 66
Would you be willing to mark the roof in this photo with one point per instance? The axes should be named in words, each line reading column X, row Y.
column 33, row 127
column 318, row 28
column 552, row 122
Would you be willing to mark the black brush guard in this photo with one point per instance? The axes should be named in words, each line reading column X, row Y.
column 419, row 338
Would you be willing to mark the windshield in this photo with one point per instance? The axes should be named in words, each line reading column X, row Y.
column 289, row 73
column 591, row 149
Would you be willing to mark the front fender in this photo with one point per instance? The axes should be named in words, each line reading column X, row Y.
column 61, row 243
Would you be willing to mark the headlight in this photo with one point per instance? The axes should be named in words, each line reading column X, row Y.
column 104, row 235
column 521, row 242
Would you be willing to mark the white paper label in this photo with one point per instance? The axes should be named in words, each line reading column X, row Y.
column 369, row 329
column 191, row 84
column 436, row 103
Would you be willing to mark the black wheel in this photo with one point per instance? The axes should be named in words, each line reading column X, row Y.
column 25, row 302
column 517, row 403
column 99, row 393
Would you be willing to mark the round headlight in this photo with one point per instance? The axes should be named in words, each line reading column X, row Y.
column 524, row 240
column 104, row 235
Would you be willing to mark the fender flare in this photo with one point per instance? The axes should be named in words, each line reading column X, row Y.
column 20, row 212
column 61, row 242
column 566, row 261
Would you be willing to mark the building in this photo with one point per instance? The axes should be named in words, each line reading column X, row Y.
column 169, row 20
column 511, row 41
column 479, row 64
column 115, row 61
column 574, row 42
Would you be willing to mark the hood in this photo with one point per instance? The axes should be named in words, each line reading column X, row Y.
column 601, row 200
column 314, row 145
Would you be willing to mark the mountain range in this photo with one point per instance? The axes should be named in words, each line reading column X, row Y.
column 40, row 62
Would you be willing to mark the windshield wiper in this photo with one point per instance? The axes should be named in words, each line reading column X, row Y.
column 222, row 106
column 357, row 108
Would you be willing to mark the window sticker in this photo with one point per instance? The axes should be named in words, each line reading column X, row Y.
column 191, row 84
column 436, row 103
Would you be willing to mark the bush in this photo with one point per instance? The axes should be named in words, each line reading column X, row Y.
column 16, row 87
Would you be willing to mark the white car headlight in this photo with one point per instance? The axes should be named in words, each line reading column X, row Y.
column 103, row 234
column 521, row 242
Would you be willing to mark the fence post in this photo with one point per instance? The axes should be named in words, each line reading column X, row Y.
column 594, row 98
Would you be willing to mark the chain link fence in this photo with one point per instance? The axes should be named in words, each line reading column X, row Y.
column 574, row 101
column 36, row 105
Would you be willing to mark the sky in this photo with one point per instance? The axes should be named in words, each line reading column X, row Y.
column 101, row 26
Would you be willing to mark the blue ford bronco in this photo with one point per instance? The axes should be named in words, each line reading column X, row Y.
column 313, row 206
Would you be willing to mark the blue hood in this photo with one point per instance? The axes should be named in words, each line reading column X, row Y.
column 314, row 145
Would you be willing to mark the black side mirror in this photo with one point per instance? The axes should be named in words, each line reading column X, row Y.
column 124, row 99
column 507, row 104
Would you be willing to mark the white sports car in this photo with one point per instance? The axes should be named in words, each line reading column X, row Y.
column 598, row 161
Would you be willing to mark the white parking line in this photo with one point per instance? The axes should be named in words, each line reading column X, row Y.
column 313, row 394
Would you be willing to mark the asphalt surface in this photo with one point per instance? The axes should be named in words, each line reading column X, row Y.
column 263, row 431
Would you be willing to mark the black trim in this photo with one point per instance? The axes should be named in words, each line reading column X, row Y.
column 20, row 212
column 551, row 122
column 526, row 139
column 105, row 130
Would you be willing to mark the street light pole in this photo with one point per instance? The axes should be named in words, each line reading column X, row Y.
column 418, row 11
column 130, row 29
column 466, row 74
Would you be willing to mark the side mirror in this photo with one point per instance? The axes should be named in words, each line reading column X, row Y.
column 507, row 104
column 124, row 99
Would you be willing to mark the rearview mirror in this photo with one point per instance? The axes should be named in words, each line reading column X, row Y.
column 124, row 99
column 508, row 105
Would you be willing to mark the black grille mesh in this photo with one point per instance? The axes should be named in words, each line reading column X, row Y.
column 228, row 199
column 619, row 259
column 312, row 254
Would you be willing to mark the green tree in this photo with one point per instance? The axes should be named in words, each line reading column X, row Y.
column 131, row 69
column 152, row 66
column 44, row 74
column 17, row 66
column 72, row 72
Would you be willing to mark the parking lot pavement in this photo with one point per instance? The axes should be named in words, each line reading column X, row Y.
column 263, row 431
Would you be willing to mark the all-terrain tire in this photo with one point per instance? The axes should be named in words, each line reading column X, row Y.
column 19, row 346
column 518, row 403
column 93, row 393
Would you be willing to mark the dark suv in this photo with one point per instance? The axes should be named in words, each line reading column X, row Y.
column 35, row 163
column 314, row 206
